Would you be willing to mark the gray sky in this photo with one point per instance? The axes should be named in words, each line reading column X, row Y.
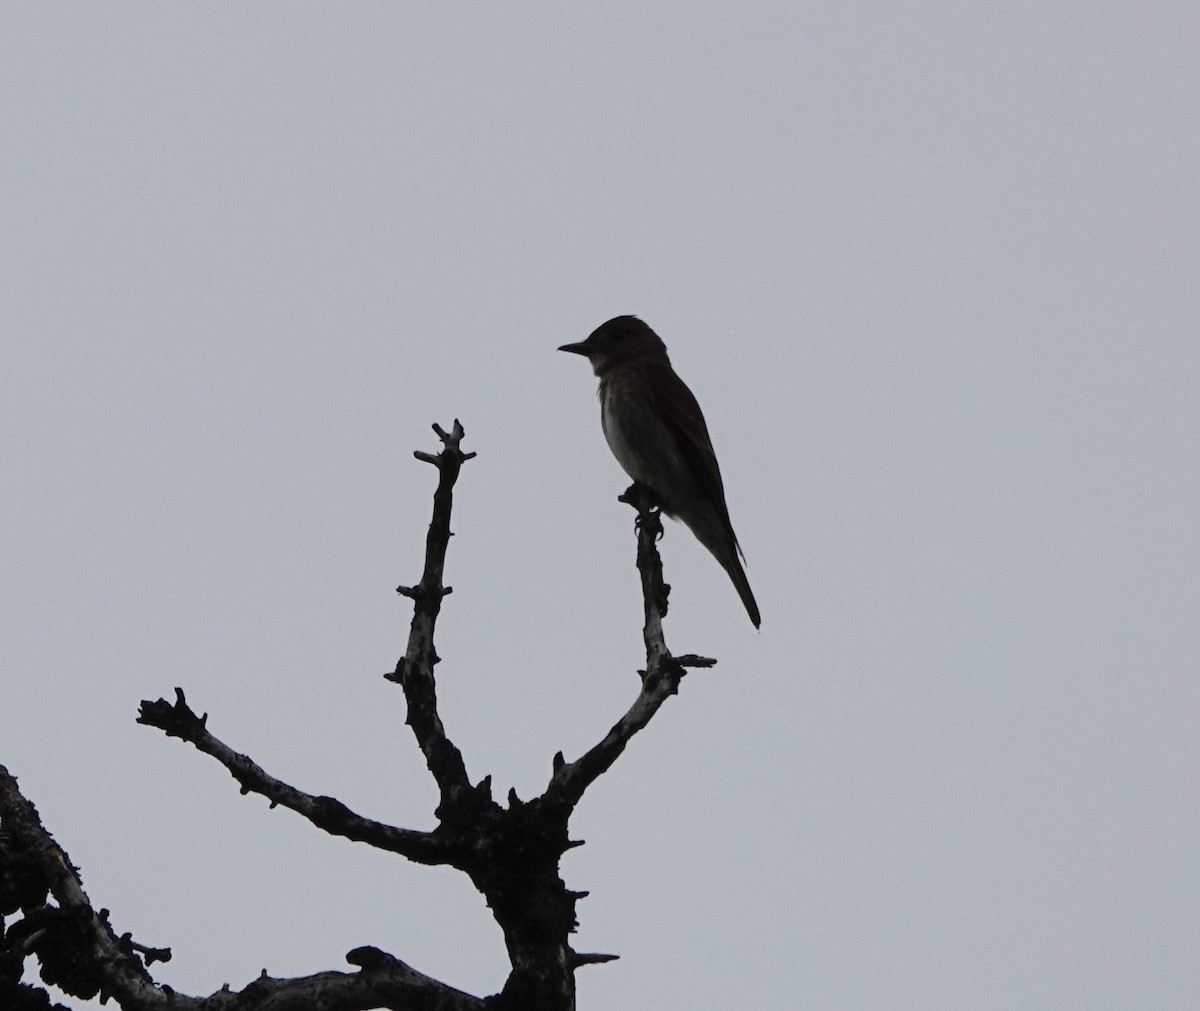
column 932, row 272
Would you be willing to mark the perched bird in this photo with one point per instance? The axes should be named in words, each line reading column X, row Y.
column 656, row 431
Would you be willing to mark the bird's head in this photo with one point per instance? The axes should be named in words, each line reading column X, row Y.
column 620, row 341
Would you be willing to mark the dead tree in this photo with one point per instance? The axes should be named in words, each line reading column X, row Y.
column 510, row 851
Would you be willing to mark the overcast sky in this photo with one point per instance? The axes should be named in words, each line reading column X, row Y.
column 933, row 272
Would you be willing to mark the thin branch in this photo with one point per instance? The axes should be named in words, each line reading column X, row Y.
column 327, row 813
column 663, row 672
column 414, row 671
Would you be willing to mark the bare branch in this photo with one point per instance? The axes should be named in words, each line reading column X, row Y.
column 81, row 954
column 79, row 951
column 663, row 672
column 511, row 854
column 327, row 813
column 383, row 981
column 414, row 671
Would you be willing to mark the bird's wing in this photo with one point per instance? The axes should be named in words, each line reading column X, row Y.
column 685, row 421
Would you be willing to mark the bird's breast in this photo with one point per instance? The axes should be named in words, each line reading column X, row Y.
column 641, row 441
column 615, row 417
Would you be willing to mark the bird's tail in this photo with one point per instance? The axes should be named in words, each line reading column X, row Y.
column 742, row 585
column 713, row 530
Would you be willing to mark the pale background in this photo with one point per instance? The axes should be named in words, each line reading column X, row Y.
column 932, row 270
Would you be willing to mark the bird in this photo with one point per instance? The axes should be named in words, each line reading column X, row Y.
column 656, row 430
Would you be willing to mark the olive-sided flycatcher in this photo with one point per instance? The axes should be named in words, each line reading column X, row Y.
column 656, row 431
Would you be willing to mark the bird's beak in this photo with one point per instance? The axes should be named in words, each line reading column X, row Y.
column 576, row 349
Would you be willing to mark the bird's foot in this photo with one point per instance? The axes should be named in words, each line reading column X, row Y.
column 649, row 512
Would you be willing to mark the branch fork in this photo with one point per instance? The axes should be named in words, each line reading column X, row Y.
column 511, row 853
